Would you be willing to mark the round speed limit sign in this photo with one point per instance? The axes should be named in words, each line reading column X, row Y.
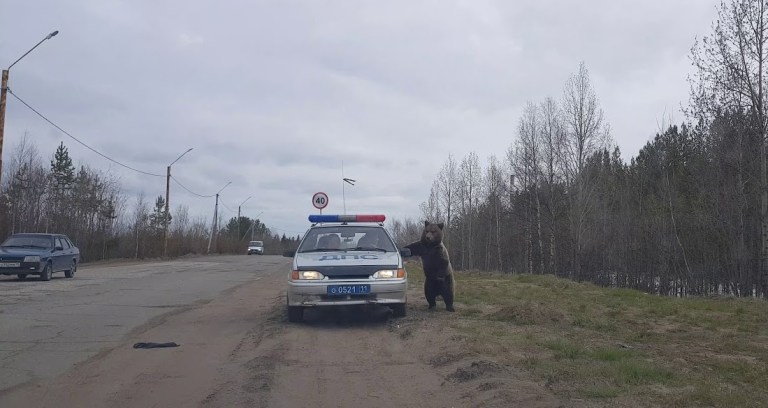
column 320, row 200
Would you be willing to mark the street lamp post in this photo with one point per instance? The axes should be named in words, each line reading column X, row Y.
column 4, row 90
column 345, row 181
column 216, row 217
column 238, row 217
column 167, row 199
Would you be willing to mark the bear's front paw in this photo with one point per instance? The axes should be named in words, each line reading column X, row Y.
column 450, row 308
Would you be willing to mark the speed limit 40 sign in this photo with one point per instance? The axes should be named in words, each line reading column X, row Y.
column 320, row 200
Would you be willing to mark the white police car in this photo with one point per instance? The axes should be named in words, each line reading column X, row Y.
column 346, row 260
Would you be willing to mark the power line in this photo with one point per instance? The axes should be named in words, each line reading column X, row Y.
column 190, row 191
column 225, row 206
column 282, row 230
column 78, row 140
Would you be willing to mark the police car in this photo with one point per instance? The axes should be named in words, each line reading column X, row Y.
column 346, row 260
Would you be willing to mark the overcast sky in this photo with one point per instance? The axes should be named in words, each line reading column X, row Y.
column 274, row 95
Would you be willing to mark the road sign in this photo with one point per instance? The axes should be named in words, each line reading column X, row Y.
column 320, row 200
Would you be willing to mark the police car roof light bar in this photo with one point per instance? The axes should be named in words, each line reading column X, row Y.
column 347, row 218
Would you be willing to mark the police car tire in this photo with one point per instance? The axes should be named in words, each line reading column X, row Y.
column 399, row 310
column 295, row 314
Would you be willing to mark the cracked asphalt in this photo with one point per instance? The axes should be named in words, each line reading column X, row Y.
column 46, row 328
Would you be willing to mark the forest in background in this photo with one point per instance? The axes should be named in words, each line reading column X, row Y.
column 88, row 205
column 688, row 215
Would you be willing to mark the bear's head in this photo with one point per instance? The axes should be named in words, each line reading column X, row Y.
column 432, row 233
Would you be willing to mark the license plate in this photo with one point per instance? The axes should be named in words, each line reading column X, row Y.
column 10, row 264
column 341, row 290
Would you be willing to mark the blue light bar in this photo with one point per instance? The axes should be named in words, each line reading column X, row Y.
column 348, row 218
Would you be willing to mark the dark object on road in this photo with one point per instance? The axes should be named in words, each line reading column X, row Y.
column 38, row 254
column 154, row 345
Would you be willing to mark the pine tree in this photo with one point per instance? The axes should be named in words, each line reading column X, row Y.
column 62, row 170
column 60, row 182
column 158, row 219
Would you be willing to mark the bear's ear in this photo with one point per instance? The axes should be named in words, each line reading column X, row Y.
column 440, row 225
column 426, row 223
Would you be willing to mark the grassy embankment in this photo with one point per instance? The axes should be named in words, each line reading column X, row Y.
column 616, row 345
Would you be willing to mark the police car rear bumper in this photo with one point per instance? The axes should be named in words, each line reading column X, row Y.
column 316, row 293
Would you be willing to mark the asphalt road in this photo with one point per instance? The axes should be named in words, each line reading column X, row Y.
column 68, row 343
column 48, row 327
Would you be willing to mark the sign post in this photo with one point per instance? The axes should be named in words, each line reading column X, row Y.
column 320, row 201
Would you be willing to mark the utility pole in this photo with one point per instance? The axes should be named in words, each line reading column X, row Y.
column 3, row 92
column 215, row 222
column 238, row 217
column 215, row 217
column 167, row 214
column 167, row 220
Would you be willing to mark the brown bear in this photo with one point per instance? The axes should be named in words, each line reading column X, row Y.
column 437, row 265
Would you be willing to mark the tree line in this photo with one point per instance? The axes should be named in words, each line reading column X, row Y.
column 89, row 206
column 688, row 215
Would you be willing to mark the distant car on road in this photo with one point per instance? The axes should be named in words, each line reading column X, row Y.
column 346, row 260
column 256, row 247
column 38, row 254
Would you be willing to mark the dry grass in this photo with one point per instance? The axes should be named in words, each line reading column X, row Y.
column 616, row 347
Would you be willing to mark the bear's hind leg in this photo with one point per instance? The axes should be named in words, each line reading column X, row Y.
column 447, row 293
column 430, row 292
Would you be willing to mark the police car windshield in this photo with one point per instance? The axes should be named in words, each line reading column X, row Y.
column 346, row 238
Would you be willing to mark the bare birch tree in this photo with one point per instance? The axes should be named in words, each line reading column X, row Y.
column 586, row 133
column 470, row 178
column 494, row 183
column 447, row 188
column 525, row 162
column 552, row 138
column 430, row 209
column 731, row 75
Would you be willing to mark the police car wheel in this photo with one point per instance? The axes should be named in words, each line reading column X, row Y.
column 295, row 314
column 399, row 310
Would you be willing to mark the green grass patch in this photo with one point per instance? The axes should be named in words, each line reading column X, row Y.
column 601, row 344
column 563, row 348
column 612, row 355
column 638, row 372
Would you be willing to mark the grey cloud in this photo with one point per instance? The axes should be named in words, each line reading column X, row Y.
column 275, row 95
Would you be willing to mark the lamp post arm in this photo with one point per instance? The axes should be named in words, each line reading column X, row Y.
column 48, row 37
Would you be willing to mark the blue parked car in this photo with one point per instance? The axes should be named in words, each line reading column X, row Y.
column 38, row 254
